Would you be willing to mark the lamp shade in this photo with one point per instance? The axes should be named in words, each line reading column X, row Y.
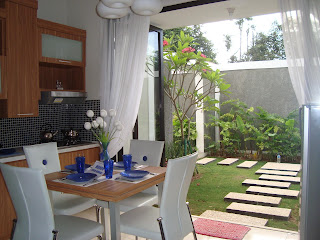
column 117, row 3
column 146, row 7
column 111, row 13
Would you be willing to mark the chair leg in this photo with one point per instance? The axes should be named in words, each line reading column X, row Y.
column 98, row 209
column 13, row 228
column 55, row 234
column 194, row 231
column 161, row 228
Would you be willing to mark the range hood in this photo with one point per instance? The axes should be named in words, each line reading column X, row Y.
column 62, row 97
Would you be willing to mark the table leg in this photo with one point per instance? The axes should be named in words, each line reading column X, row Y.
column 115, row 220
column 105, row 222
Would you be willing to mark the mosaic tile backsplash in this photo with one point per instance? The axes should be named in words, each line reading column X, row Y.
column 17, row 132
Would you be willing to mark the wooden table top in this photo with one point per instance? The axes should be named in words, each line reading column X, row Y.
column 109, row 190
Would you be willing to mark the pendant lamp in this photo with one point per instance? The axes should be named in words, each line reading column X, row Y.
column 111, row 13
column 117, row 3
column 146, row 7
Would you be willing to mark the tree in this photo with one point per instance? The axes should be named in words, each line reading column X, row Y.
column 267, row 47
column 201, row 43
column 182, row 62
column 228, row 42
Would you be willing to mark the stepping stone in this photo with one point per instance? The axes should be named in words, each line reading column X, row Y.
column 247, row 164
column 252, row 198
column 282, row 166
column 273, row 192
column 275, row 172
column 228, row 161
column 280, row 178
column 259, row 211
column 262, row 183
column 204, row 161
column 236, row 218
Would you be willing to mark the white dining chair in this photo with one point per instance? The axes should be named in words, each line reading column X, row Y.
column 46, row 158
column 143, row 152
column 35, row 219
column 173, row 219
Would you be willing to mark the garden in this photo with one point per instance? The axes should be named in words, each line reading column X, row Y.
column 245, row 132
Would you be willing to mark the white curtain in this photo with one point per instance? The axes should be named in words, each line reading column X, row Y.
column 123, row 56
column 301, row 34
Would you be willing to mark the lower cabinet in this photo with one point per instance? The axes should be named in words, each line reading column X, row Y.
column 6, row 207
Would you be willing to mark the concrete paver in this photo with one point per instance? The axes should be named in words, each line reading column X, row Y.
column 261, row 211
column 273, row 192
column 252, row 199
column 280, row 178
column 262, row 183
column 282, row 166
column 228, row 161
column 247, row 164
column 205, row 161
column 276, row 172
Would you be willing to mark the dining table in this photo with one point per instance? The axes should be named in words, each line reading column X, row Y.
column 110, row 191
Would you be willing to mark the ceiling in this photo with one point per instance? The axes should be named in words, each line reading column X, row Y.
column 212, row 12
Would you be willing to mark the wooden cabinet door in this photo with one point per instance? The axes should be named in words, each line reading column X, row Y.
column 22, row 59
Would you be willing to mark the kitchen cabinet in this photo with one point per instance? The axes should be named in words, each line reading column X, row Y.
column 62, row 55
column 19, row 59
column 6, row 207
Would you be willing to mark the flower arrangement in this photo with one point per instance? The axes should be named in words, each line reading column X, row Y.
column 100, row 128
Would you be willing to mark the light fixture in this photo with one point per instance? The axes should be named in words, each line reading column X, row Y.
column 117, row 3
column 111, row 13
column 146, row 7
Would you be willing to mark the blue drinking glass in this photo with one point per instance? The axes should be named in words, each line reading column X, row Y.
column 127, row 162
column 108, row 168
column 80, row 161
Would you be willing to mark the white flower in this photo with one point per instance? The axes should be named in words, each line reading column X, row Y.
column 99, row 120
column 90, row 113
column 87, row 126
column 112, row 112
column 104, row 124
column 101, row 125
column 117, row 123
column 119, row 127
column 103, row 113
column 95, row 124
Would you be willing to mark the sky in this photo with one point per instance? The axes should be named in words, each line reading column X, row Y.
column 216, row 31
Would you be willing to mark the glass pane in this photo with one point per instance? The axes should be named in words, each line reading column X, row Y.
column 61, row 48
column 149, row 111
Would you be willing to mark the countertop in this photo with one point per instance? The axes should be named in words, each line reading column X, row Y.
column 19, row 154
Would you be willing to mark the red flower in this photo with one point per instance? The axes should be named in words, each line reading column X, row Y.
column 204, row 56
column 188, row 49
column 165, row 43
column 204, row 70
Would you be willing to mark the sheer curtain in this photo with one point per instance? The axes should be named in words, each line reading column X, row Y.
column 123, row 55
column 301, row 34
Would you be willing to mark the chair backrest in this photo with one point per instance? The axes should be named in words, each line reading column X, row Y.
column 32, row 205
column 173, row 209
column 43, row 156
column 146, row 152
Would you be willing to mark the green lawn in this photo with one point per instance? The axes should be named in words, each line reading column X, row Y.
column 214, row 182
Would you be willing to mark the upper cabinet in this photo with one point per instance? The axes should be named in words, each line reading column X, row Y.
column 61, row 57
column 19, row 59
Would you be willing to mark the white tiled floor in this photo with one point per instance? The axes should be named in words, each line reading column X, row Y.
column 256, row 233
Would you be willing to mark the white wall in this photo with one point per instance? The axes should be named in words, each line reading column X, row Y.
column 53, row 10
column 79, row 14
column 82, row 14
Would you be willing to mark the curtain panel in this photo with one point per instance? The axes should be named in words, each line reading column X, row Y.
column 123, row 44
column 301, row 34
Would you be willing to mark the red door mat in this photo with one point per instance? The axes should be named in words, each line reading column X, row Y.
column 220, row 229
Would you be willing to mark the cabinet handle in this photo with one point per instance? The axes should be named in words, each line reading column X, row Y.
column 64, row 61
column 25, row 114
